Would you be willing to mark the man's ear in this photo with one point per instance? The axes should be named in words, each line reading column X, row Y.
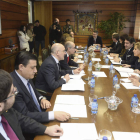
column 1, row 107
column 21, row 66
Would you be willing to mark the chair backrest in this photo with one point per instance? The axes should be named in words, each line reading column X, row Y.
column 45, row 54
column 49, row 49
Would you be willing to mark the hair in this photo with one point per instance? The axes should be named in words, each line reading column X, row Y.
column 55, row 20
column 23, row 57
column 95, row 31
column 123, row 37
column 21, row 28
column 130, row 39
column 37, row 21
column 29, row 26
column 5, row 84
column 116, row 36
column 138, row 45
column 67, row 20
column 68, row 45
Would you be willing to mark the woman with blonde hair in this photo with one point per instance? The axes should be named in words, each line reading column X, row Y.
column 31, row 35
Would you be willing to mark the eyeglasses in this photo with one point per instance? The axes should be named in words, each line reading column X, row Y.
column 14, row 93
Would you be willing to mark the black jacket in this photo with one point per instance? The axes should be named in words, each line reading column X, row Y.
column 48, row 77
column 40, row 33
column 116, row 48
column 20, row 123
column 24, row 102
column 66, row 66
column 136, row 66
column 129, row 58
column 91, row 41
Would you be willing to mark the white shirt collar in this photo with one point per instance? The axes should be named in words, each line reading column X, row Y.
column 67, row 54
column 56, row 60
column 116, row 42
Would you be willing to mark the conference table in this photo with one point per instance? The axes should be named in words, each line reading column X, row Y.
column 122, row 119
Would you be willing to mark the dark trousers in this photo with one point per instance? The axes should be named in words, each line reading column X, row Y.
column 31, row 45
column 37, row 44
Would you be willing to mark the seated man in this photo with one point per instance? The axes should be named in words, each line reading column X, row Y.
column 13, row 123
column 68, row 28
column 67, row 62
column 128, row 57
column 49, row 75
column 117, row 47
column 29, row 101
column 95, row 39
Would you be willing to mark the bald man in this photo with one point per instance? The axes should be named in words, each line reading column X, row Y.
column 67, row 62
column 49, row 75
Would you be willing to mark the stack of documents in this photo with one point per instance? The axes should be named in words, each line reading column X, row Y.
column 126, row 80
column 79, row 131
column 80, row 61
column 99, row 74
column 129, row 86
column 106, row 66
column 126, row 135
column 96, row 59
column 122, row 69
column 128, row 74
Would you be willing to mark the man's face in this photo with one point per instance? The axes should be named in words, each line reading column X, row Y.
column 127, row 44
column 37, row 24
column 9, row 102
column 72, row 49
column 94, row 35
column 61, row 53
column 57, row 21
column 72, row 34
column 68, row 22
column 29, row 71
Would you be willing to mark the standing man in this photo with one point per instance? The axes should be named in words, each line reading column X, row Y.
column 40, row 32
column 95, row 39
column 68, row 28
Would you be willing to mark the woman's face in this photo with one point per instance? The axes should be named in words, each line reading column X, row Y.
column 24, row 28
column 136, row 51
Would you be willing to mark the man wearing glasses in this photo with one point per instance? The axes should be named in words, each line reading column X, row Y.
column 13, row 123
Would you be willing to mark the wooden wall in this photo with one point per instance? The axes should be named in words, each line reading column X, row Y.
column 14, row 13
column 64, row 10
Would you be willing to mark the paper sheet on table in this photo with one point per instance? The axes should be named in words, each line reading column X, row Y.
column 96, row 59
column 73, row 87
column 80, row 61
column 99, row 73
column 75, row 81
column 122, row 69
column 79, row 52
column 129, row 86
column 115, row 63
column 80, row 56
column 126, row 80
column 73, row 67
column 127, row 74
column 78, row 131
column 109, row 57
column 126, row 135
column 70, row 99
column 74, row 110
column 105, row 66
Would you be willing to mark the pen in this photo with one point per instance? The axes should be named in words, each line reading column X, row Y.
column 75, row 118
column 71, row 78
column 101, row 97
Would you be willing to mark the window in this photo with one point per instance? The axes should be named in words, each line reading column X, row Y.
column 30, row 12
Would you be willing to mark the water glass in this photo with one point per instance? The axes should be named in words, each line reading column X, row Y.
column 106, row 133
column 91, row 97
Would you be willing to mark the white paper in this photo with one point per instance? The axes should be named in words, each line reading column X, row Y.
column 99, row 74
column 78, row 131
column 115, row 63
column 70, row 99
column 74, row 110
column 79, row 52
column 75, row 81
column 80, row 56
column 73, row 87
column 105, row 66
column 129, row 86
column 75, row 76
column 126, row 80
column 126, row 135
column 109, row 57
column 96, row 59
column 80, row 61
column 122, row 69
column 124, row 74
column 73, row 67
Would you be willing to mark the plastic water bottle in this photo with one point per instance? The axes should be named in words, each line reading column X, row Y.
column 100, row 50
column 105, row 138
column 111, row 67
column 87, row 54
column 94, row 107
column 85, row 51
column 106, row 60
column 134, row 101
column 85, row 57
column 92, row 82
column 97, row 47
column 89, row 70
column 115, row 80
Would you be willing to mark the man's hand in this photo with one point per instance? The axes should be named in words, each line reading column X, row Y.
column 116, row 59
column 77, row 71
column 67, row 77
column 133, row 77
column 75, row 59
column 45, row 104
column 135, row 82
column 82, row 66
column 61, row 116
column 137, row 71
column 126, row 66
column 54, row 130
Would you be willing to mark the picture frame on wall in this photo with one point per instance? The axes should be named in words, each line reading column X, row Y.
column 0, row 24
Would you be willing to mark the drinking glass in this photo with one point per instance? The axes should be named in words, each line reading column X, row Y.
column 91, row 97
column 106, row 133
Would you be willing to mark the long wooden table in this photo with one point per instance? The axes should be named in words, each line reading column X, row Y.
column 120, row 120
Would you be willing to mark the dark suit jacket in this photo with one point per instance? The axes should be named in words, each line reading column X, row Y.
column 129, row 58
column 117, row 48
column 112, row 45
column 91, row 42
column 24, row 103
column 66, row 66
column 136, row 66
column 19, row 123
column 48, row 77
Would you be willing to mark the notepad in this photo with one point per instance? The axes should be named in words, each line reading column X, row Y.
column 79, row 131
column 99, row 74
column 96, row 59
column 75, row 81
column 126, row 80
column 70, row 99
column 80, row 56
column 122, row 69
column 129, row 86
column 74, row 110
column 126, row 135
column 80, row 61
column 128, row 74
column 106, row 66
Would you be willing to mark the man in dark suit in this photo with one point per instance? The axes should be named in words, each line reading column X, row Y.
column 117, row 46
column 29, row 101
column 67, row 62
column 13, row 123
column 49, row 75
column 95, row 39
column 128, row 57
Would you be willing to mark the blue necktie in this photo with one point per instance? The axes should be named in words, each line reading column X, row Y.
column 34, row 98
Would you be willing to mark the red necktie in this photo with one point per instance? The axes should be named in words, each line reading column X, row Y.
column 9, row 131
column 68, row 59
